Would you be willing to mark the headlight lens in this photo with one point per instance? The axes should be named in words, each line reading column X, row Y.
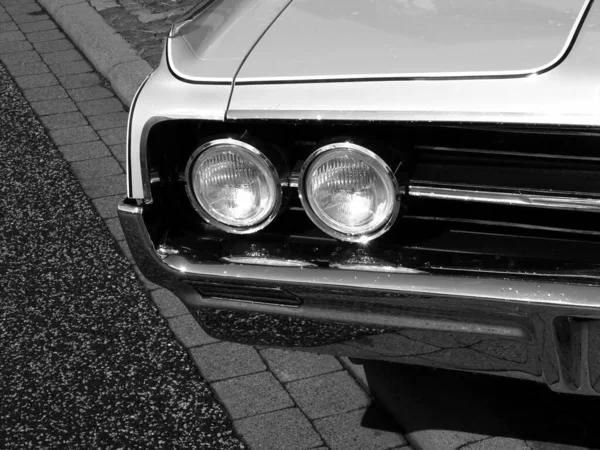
column 349, row 192
column 235, row 186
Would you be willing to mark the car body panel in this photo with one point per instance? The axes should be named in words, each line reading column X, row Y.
column 568, row 94
column 211, row 46
column 348, row 39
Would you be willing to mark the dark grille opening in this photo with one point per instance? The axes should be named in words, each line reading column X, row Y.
column 433, row 235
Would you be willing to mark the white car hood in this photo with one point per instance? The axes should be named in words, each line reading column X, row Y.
column 358, row 39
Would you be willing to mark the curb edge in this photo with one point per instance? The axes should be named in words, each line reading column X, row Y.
column 101, row 44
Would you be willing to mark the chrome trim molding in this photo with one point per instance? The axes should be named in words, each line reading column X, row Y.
column 486, row 152
column 129, row 133
column 130, row 209
column 503, row 290
column 507, row 198
column 291, row 180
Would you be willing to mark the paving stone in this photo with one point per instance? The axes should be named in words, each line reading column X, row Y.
column 120, row 152
column 15, row 2
column 79, row 80
column 167, row 303
column 113, row 136
column 226, row 360
column 22, row 8
column 11, row 36
column 107, row 206
column 326, row 395
column 114, row 226
column 34, row 81
column 59, row 106
column 90, row 93
column 187, row 330
column 45, row 36
column 85, row 150
column 75, row 135
column 345, row 432
column 18, row 69
column 287, row 429
column 109, row 120
column 122, row 244
column 250, row 395
column 292, row 365
column 70, row 68
column 20, row 57
column 105, row 186
column 67, row 120
column 45, row 93
column 53, row 46
column 13, row 47
column 154, row 60
column 357, row 370
column 97, row 168
column 35, row 27
column 8, row 26
column 147, row 283
column 26, row 18
column 63, row 56
column 28, row 68
column 104, row 106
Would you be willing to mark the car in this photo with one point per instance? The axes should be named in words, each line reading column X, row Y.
column 415, row 181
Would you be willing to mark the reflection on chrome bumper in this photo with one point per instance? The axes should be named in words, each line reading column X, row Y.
column 540, row 331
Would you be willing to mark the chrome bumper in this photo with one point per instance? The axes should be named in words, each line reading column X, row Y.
column 541, row 331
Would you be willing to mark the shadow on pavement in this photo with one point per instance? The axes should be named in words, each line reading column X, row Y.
column 466, row 407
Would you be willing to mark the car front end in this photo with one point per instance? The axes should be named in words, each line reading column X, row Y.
column 430, row 202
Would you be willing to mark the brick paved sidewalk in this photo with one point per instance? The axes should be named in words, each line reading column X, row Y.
column 143, row 23
column 277, row 399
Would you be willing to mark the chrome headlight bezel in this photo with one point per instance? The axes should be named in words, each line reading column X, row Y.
column 255, row 155
column 376, row 163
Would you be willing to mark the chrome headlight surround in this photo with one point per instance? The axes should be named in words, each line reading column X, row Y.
column 260, row 160
column 377, row 164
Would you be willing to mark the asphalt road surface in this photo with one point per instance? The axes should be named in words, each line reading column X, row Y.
column 85, row 361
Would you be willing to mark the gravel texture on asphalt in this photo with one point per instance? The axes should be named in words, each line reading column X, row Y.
column 85, row 360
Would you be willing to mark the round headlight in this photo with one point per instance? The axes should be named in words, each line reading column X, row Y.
column 349, row 192
column 233, row 186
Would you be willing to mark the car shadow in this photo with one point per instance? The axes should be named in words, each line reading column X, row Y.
column 466, row 407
